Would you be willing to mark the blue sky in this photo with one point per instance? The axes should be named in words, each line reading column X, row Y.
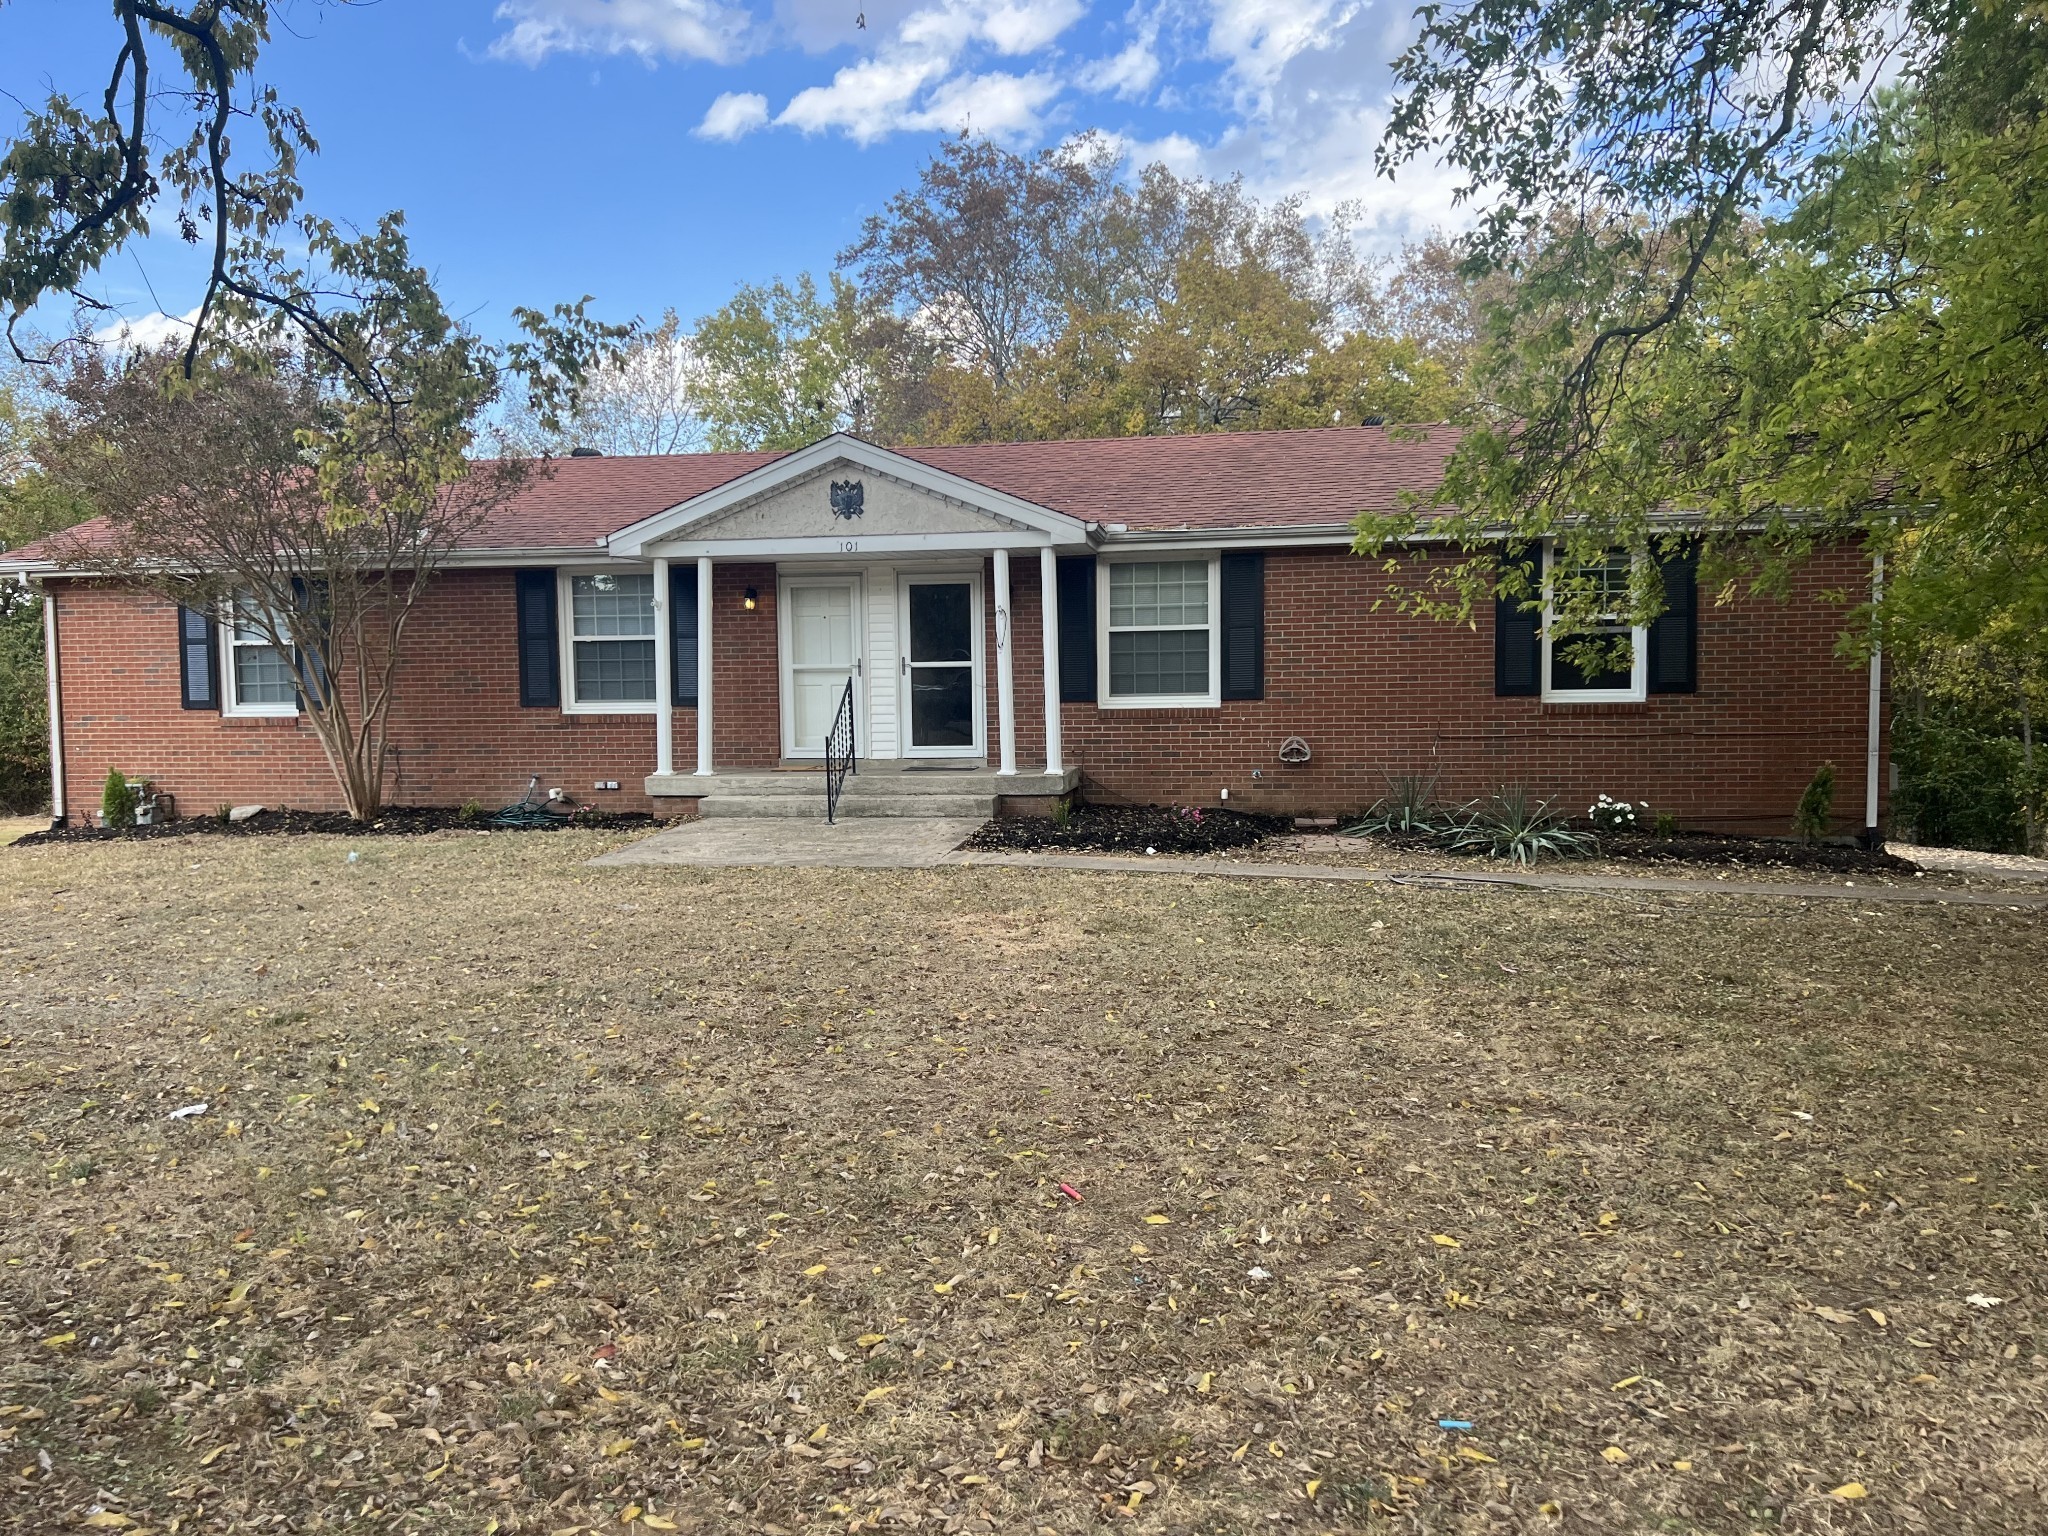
column 656, row 153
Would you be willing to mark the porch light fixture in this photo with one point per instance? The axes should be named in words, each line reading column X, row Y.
column 751, row 601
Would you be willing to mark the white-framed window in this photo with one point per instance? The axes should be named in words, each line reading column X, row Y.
column 608, row 639
column 260, row 678
column 1567, row 678
column 1158, row 641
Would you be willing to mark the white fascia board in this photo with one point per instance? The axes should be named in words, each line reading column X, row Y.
column 635, row 538
column 847, row 545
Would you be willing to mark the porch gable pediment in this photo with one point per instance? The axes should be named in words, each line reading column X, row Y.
column 841, row 488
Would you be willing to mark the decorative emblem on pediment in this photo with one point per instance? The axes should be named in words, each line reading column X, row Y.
column 846, row 498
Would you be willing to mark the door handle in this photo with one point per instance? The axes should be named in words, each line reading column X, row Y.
column 856, row 666
column 903, row 670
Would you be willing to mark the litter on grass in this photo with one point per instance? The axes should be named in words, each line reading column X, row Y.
column 187, row 1111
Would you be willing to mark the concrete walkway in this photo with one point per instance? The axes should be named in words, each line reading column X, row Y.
column 1458, row 879
column 1967, row 861
column 855, row 842
column 902, row 842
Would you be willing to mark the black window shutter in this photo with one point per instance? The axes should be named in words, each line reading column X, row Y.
column 1076, row 587
column 312, row 669
column 1517, row 669
column 540, row 681
column 682, row 624
column 198, row 659
column 1674, row 633
column 1244, row 625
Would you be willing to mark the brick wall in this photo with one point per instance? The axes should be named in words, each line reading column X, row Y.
column 1374, row 694
column 458, row 730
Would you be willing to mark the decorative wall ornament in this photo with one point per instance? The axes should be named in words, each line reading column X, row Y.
column 1294, row 750
column 846, row 499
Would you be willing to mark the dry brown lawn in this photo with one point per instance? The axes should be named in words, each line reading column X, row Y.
column 536, row 1198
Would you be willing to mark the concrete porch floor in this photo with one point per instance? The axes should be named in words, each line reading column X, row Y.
column 861, row 842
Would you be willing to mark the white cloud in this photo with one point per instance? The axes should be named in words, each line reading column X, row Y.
column 1130, row 73
column 734, row 115
column 919, row 78
column 648, row 29
column 141, row 332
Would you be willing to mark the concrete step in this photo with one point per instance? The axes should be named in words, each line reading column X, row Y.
column 727, row 806
column 909, row 785
column 883, row 782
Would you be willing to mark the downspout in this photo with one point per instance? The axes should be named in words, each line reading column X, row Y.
column 56, row 704
column 1876, row 723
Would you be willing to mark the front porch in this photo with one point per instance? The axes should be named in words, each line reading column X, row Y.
column 789, row 592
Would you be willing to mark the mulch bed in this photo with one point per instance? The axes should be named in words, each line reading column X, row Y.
column 1129, row 829
column 1164, row 830
column 1729, row 850
column 398, row 821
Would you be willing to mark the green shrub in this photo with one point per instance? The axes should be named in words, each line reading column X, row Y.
column 1514, row 824
column 117, row 800
column 472, row 810
column 1667, row 824
column 1816, row 805
column 1960, row 786
column 24, row 708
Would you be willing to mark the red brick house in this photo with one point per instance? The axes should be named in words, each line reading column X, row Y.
column 1166, row 619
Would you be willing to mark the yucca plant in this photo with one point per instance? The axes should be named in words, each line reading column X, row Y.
column 1514, row 824
column 1409, row 807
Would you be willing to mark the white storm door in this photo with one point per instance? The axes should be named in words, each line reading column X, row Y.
column 939, row 631
column 820, row 655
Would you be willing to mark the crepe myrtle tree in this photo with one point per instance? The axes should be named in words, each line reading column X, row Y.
column 272, row 484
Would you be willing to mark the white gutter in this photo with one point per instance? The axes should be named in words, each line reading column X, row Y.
column 1876, row 722
column 56, row 707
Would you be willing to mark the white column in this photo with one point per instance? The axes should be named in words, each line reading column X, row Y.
column 1006, row 701
column 664, row 675
column 1049, row 605
column 704, row 665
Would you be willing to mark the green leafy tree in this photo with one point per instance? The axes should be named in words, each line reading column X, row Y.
column 1747, row 286
column 781, row 364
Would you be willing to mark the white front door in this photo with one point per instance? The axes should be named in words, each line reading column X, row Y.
column 939, row 630
column 821, row 653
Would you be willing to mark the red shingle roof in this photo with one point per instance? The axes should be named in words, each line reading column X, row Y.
column 1315, row 478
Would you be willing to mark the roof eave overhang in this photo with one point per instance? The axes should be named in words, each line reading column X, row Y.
column 1036, row 526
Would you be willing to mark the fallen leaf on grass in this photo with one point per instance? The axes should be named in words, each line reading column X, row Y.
column 1158, row 1221
column 214, row 1455
column 1835, row 1314
column 870, row 1340
column 618, row 1447
column 1615, row 1454
column 816, row 1270
column 1849, row 1491
column 1876, row 1315
column 1443, row 1241
column 1624, row 1383
column 106, row 1520
column 657, row 1522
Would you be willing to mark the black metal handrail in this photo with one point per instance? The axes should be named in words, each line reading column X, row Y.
column 840, row 757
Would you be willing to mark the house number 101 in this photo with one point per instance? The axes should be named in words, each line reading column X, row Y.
column 849, row 546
